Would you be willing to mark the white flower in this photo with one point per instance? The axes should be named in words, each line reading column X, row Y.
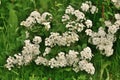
column 113, row 29
column 117, row 16
column 36, row 15
column 19, row 59
column 111, row 37
column 101, row 32
column 108, row 51
column 47, row 25
column 88, row 67
column 108, row 23
column 86, row 53
column 88, row 32
column 46, row 17
column 61, row 59
column 88, row 23
column 96, row 41
column 47, row 50
column 27, row 58
column 79, row 15
column 79, row 27
column 65, row 18
column 41, row 61
column 93, row 9
column 72, row 57
column 85, row 7
column 69, row 10
column 114, row 0
column 10, row 62
column 89, row 3
column 53, row 63
column 28, row 23
column 37, row 39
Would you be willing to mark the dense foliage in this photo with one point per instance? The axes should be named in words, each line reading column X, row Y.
column 59, row 40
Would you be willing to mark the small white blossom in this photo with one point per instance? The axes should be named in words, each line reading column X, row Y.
column 37, row 39
column 113, row 29
column 117, row 16
column 88, row 23
column 79, row 15
column 72, row 57
column 85, row 7
column 65, row 17
column 93, row 9
column 69, row 10
column 61, row 59
column 88, row 32
column 108, row 23
column 10, row 62
column 47, row 50
column 29, row 22
column 86, row 53
column 47, row 25
column 101, row 32
column 46, row 17
column 53, row 63
column 88, row 67
column 41, row 61
column 36, row 15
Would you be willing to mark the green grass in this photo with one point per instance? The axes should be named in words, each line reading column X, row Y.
column 12, row 37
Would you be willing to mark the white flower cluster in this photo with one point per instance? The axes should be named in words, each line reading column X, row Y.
column 86, row 53
column 61, row 40
column 29, row 52
column 87, row 6
column 71, row 59
column 104, row 40
column 41, row 61
column 87, row 66
column 36, row 17
column 78, row 22
column 116, row 3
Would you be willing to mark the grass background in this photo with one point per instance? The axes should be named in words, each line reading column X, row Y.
column 12, row 37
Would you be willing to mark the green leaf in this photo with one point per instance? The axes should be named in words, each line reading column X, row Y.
column 13, row 19
column 84, row 45
column 68, row 69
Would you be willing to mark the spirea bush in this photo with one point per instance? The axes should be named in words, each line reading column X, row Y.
column 57, row 49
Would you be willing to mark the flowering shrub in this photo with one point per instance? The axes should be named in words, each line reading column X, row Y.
column 72, row 44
